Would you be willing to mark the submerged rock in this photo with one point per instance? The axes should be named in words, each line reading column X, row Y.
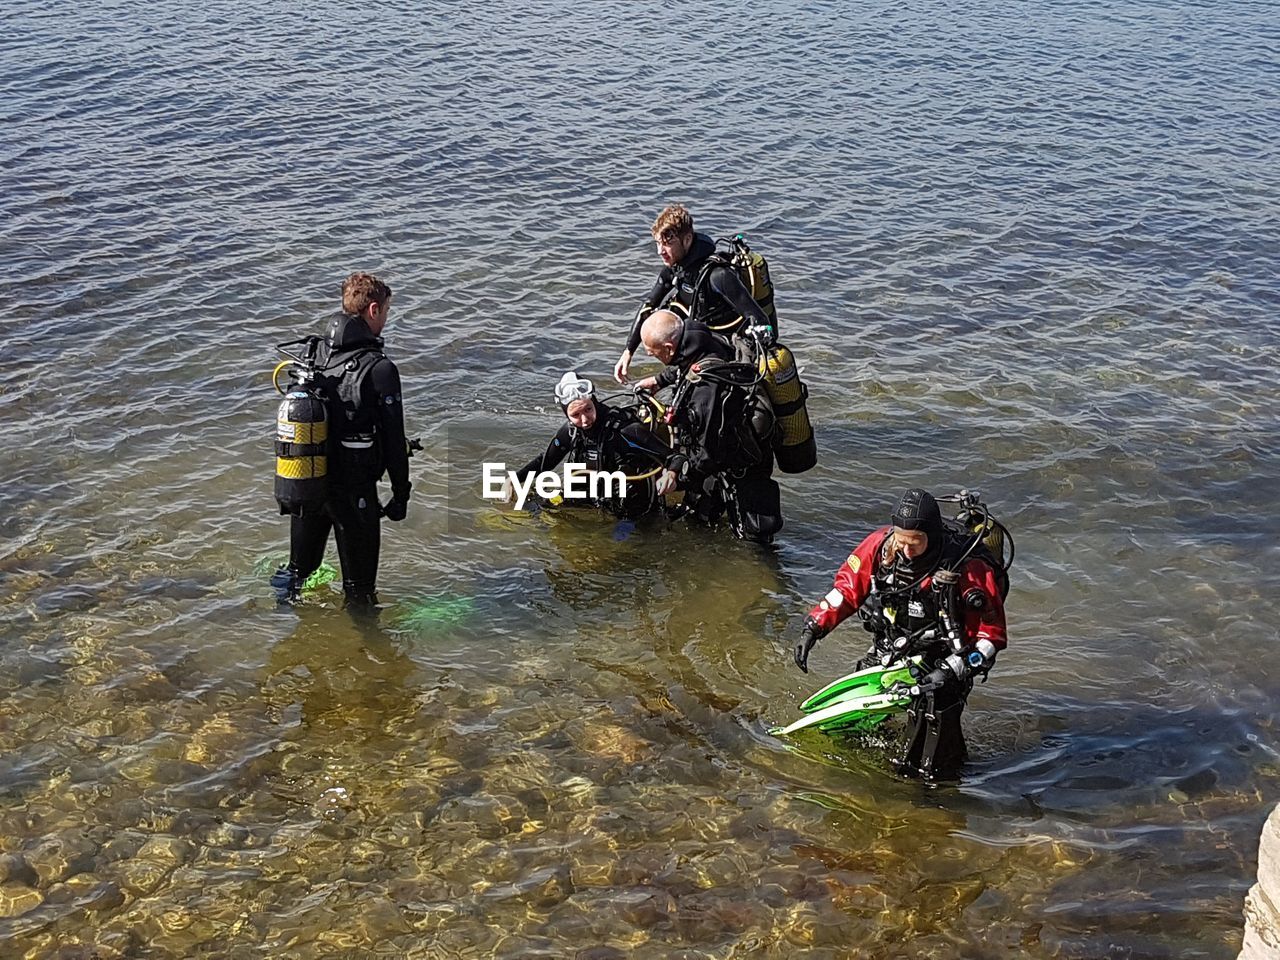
column 57, row 858
column 17, row 899
column 13, row 866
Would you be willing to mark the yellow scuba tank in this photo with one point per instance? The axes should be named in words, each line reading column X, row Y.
column 754, row 270
column 993, row 538
column 302, row 434
column 793, row 441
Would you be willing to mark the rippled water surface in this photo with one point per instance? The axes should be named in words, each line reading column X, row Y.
column 1028, row 249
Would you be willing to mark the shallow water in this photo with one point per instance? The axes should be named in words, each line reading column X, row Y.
column 1033, row 256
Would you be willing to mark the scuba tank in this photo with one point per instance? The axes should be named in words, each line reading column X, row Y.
column 991, row 539
column 754, row 271
column 793, row 440
column 302, row 432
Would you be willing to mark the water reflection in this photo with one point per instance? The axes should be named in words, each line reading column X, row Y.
column 1037, row 261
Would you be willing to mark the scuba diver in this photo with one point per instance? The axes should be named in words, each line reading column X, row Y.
column 704, row 285
column 340, row 428
column 929, row 587
column 721, row 424
column 604, row 438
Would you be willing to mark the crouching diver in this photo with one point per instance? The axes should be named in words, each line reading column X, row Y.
column 331, row 482
column 722, row 421
column 604, row 439
column 930, row 587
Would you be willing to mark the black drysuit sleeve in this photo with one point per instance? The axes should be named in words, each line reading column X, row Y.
column 639, row 439
column 666, row 377
column 661, row 287
column 729, row 285
column 550, row 458
column 384, row 379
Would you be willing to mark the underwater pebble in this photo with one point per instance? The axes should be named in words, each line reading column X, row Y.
column 13, row 866
column 230, row 835
column 17, row 899
column 122, row 847
column 142, row 877
column 57, row 858
column 105, row 895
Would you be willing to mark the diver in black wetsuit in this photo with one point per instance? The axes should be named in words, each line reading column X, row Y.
column 722, row 421
column 698, row 286
column 604, row 439
column 367, row 440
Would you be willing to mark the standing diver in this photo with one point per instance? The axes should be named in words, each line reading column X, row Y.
column 360, row 387
column 698, row 283
column 922, row 587
column 604, row 439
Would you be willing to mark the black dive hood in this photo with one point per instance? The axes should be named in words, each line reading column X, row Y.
column 347, row 332
column 917, row 510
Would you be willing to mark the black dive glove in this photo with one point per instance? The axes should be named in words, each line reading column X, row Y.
column 810, row 634
column 398, row 505
column 934, row 680
column 977, row 661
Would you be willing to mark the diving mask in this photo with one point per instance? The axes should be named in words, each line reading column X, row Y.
column 573, row 387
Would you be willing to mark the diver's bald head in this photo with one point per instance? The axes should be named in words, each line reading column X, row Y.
column 660, row 334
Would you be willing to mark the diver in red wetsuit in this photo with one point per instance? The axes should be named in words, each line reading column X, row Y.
column 922, row 586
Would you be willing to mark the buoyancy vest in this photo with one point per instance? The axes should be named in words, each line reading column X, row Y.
column 724, row 409
column 594, row 448
column 353, row 353
column 906, row 603
column 691, row 290
column 605, row 449
column 751, row 268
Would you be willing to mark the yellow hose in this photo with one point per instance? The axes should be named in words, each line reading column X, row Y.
column 659, row 412
column 275, row 375
column 645, row 476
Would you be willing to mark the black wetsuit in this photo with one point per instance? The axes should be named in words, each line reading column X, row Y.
column 724, row 462
column 367, row 441
column 696, row 342
column 716, row 296
column 616, row 441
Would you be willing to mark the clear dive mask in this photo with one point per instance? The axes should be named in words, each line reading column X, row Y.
column 573, row 387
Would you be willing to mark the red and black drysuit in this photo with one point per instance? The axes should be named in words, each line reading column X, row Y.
column 893, row 605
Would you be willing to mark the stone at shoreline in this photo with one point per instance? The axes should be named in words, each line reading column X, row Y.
column 1262, row 905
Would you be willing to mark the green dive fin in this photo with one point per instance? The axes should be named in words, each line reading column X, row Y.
column 864, row 712
column 861, row 683
column 857, row 700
